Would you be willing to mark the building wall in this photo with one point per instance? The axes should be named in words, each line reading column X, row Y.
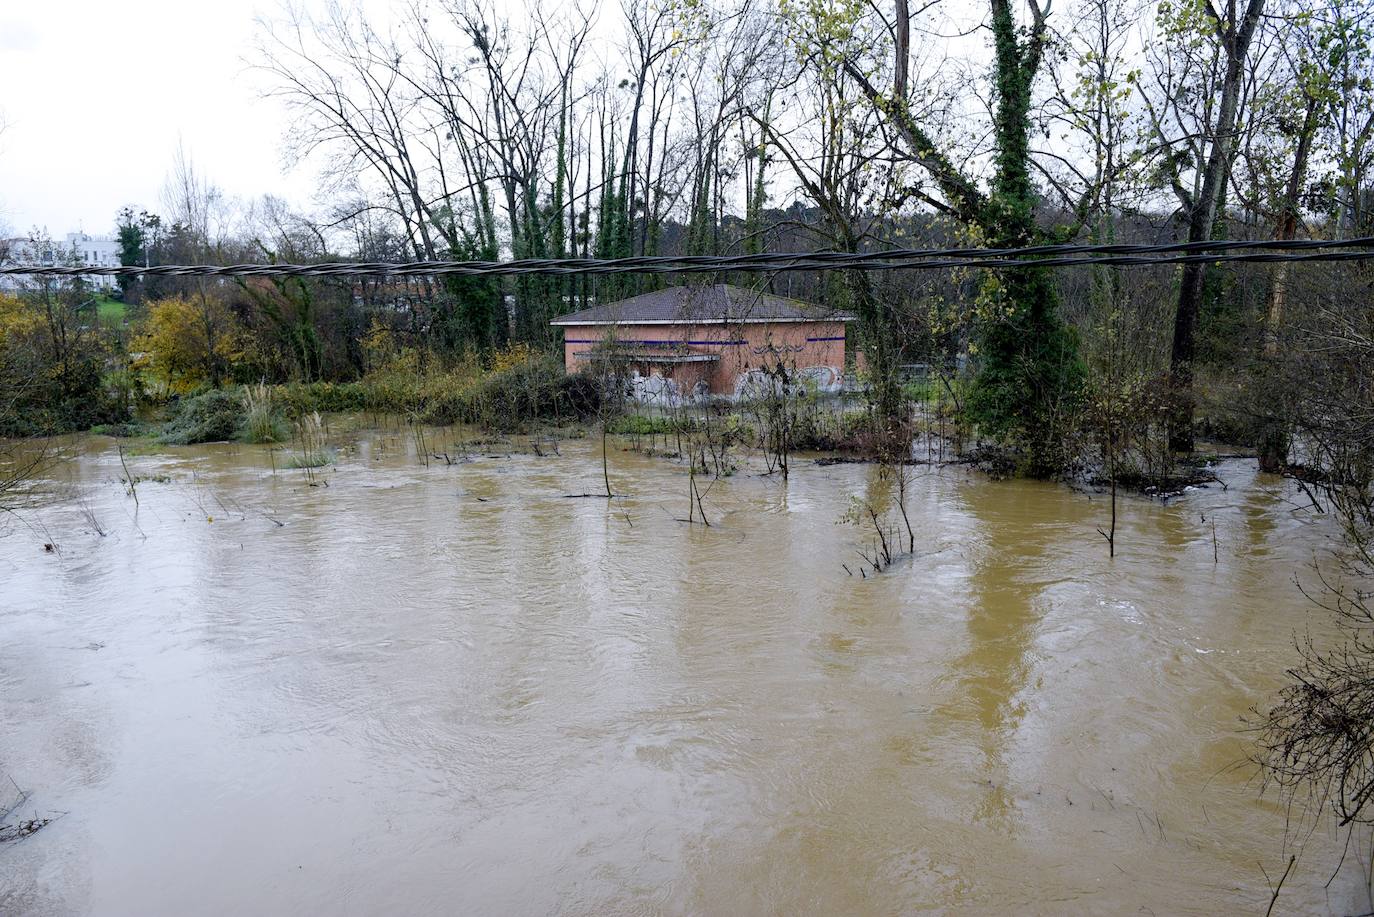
column 78, row 249
column 814, row 349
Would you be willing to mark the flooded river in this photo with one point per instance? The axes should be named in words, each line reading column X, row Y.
column 454, row 689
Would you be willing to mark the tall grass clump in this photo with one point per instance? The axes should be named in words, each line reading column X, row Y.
column 314, row 453
column 261, row 422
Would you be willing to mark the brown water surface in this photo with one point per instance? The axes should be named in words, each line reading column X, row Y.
column 452, row 689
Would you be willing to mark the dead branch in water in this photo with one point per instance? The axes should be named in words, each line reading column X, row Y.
column 88, row 513
column 871, row 514
column 605, row 466
column 128, row 478
column 882, row 539
column 1273, row 899
column 17, row 472
column 23, row 827
column 1110, row 534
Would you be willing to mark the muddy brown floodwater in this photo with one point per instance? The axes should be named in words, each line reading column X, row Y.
column 451, row 689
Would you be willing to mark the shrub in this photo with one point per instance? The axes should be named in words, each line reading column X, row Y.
column 123, row 430
column 820, row 430
column 647, row 425
column 1229, row 410
column 187, row 344
column 582, row 393
column 206, row 418
column 538, row 389
column 51, row 367
column 297, row 400
column 510, row 357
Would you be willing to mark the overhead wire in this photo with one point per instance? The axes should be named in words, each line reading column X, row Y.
column 1038, row 256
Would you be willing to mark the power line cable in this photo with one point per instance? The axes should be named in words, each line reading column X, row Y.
column 1040, row 256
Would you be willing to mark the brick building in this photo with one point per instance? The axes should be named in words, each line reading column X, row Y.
column 689, row 342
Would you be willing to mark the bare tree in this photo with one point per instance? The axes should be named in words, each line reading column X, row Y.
column 1199, row 83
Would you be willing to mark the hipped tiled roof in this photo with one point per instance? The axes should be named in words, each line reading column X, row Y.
column 718, row 303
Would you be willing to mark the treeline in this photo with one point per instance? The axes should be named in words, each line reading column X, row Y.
column 466, row 131
column 471, row 131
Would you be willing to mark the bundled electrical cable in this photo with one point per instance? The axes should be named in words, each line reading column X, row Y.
column 1041, row 256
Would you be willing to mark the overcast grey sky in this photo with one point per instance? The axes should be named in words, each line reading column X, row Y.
column 96, row 94
column 95, row 97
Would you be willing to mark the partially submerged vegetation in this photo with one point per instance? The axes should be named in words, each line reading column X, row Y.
column 261, row 423
column 517, row 397
column 212, row 416
column 315, row 451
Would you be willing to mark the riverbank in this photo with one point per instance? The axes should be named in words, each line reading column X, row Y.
column 533, row 403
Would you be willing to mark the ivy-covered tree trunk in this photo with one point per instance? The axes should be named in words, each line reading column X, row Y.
column 1030, row 374
column 475, row 313
column 876, row 323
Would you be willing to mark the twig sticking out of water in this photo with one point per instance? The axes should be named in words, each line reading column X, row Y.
column 422, row 450
column 271, row 519
column 88, row 513
column 1303, row 485
column 23, row 827
column 694, row 506
column 128, row 478
column 19, row 800
column 1110, row 534
column 1274, row 898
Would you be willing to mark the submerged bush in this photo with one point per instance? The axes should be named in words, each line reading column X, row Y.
column 207, row 418
column 53, row 366
column 539, row 389
column 648, row 425
column 1231, row 409
column 297, row 400
column 818, row 429
column 124, row 430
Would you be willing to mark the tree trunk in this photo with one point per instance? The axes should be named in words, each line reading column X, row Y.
column 1184, row 349
column 1203, row 211
column 1274, row 437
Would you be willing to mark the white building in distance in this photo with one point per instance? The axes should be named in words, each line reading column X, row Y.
column 79, row 250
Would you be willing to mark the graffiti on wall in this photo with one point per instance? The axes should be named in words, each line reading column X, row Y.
column 656, row 391
column 759, row 383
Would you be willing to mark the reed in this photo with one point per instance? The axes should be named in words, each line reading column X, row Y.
column 315, row 452
column 261, row 422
